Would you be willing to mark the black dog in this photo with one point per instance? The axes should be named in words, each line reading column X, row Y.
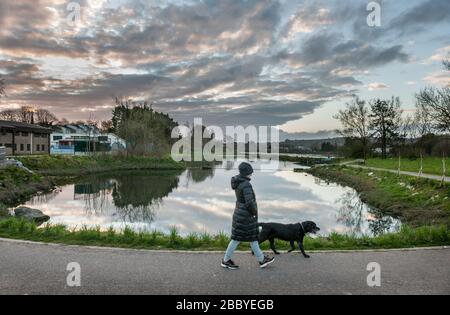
column 287, row 232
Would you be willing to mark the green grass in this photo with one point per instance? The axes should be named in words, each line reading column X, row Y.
column 407, row 237
column 4, row 213
column 431, row 165
column 82, row 165
column 416, row 202
column 17, row 185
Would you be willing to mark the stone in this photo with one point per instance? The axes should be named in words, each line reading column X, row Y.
column 31, row 215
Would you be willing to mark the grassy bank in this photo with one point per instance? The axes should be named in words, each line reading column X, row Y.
column 407, row 237
column 17, row 185
column 3, row 211
column 431, row 165
column 83, row 165
column 416, row 202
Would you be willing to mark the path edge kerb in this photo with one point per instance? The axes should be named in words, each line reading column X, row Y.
column 168, row 251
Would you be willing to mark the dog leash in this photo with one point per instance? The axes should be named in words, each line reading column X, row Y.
column 301, row 224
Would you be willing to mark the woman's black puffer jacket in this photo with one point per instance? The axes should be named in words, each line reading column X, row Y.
column 245, row 218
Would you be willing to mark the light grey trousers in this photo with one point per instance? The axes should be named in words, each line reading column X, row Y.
column 234, row 244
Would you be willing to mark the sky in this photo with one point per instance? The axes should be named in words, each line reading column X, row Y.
column 287, row 63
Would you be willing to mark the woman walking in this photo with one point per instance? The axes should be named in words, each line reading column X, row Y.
column 245, row 219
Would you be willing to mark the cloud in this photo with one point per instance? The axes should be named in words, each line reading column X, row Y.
column 418, row 18
column 440, row 55
column 306, row 20
column 441, row 78
column 332, row 51
column 377, row 86
column 263, row 62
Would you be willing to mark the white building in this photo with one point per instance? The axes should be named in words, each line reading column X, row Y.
column 83, row 139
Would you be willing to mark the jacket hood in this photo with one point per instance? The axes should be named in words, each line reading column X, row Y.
column 237, row 180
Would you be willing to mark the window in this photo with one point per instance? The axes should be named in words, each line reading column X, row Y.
column 55, row 138
column 25, row 134
column 15, row 147
column 28, row 147
column 8, row 145
column 38, row 147
column 22, row 147
column 43, row 147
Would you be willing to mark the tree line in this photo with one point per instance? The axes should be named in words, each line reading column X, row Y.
column 35, row 116
column 30, row 115
column 380, row 124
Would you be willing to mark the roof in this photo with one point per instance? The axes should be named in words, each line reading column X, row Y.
column 18, row 126
column 75, row 128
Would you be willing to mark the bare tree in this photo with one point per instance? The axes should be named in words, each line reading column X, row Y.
column 63, row 122
column 355, row 120
column 409, row 129
column 423, row 120
column 386, row 122
column 9, row 114
column 26, row 114
column 45, row 118
column 106, row 126
column 92, row 124
column 437, row 103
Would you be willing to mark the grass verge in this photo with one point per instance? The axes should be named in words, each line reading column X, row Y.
column 406, row 238
column 55, row 165
column 417, row 202
column 431, row 165
column 17, row 185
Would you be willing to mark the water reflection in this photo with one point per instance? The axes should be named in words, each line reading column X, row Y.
column 135, row 195
column 198, row 200
column 198, row 175
column 355, row 215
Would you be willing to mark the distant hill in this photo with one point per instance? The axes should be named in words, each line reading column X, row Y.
column 320, row 135
column 328, row 145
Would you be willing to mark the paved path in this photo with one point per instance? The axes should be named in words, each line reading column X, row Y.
column 414, row 174
column 41, row 269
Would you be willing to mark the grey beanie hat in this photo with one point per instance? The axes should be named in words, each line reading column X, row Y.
column 245, row 169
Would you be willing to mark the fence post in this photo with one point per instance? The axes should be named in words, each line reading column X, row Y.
column 421, row 165
column 399, row 164
column 444, row 169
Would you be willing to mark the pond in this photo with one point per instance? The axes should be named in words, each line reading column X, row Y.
column 201, row 200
